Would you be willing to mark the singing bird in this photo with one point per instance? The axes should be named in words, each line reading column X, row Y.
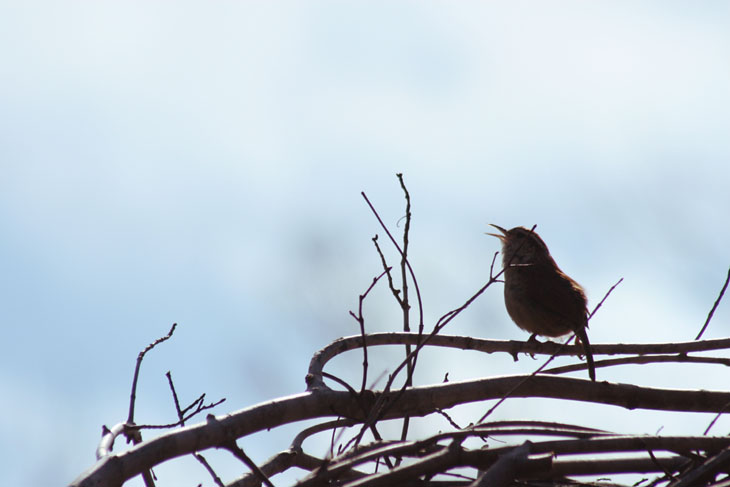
column 540, row 298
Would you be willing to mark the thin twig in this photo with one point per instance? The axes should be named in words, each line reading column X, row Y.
column 714, row 306
column 174, row 397
column 361, row 321
column 342, row 382
column 331, row 453
column 656, row 462
column 140, row 357
column 600, row 303
column 241, row 455
column 714, row 420
column 197, row 404
column 410, row 269
column 181, row 417
column 404, row 265
column 387, row 268
column 642, row 359
column 448, row 418
column 134, row 435
column 199, row 407
column 405, row 304
column 210, row 470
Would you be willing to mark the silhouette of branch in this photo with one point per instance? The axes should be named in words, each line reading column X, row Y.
column 714, row 306
column 642, row 359
column 140, row 357
column 513, row 347
column 181, row 417
column 405, row 304
column 238, row 452
column 361, row 322
column 600, row 303
column 416, row 401
column 410, row 269
column 387, row 269
column 134, row 435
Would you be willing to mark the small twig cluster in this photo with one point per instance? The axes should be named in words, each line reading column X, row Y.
column 133, row 431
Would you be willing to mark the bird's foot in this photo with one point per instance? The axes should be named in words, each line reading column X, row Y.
column 533, row 339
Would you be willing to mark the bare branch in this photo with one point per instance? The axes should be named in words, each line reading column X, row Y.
column 181, row 417
column 642, row 359
column 416, row 401
column 410, row 269
column 600, row 303
column 140, row 357
column 361, row 322
column 134, row 435
column 714, row 306
column 238, row 452
column 405, row 304
column 387, row 268
column 513, row 347
column 714, row 420
column 200, row 458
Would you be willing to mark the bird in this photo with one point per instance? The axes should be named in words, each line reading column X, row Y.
column 539, row 297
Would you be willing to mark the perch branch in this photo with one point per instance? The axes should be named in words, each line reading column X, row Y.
column 513, row 347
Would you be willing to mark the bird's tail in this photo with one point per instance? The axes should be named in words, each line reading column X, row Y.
column 583, row 337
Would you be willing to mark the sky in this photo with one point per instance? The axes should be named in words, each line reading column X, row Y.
column 203, row 162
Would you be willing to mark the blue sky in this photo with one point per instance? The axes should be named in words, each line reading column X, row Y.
column 202, row 163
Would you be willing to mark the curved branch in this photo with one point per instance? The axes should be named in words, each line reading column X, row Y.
column 418, row 401
column 430, row 445
column 455, row 456
column 513, row 347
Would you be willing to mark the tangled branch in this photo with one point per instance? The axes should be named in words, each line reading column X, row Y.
column 479, row 454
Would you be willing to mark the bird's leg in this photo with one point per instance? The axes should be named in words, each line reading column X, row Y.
column 533, row 339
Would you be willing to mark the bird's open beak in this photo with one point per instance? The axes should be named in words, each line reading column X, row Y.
column 501, row 237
